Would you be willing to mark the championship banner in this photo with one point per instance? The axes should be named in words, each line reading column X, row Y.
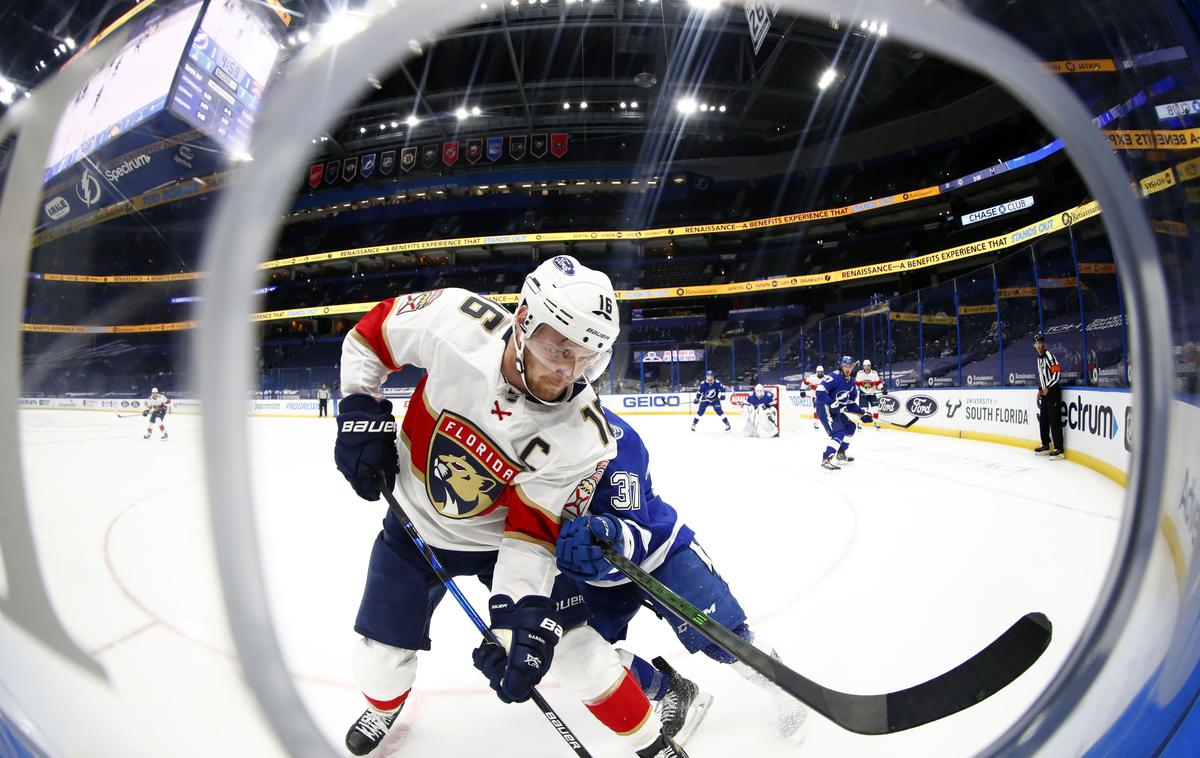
column 367, row 166
column 315, row 172
column 495, row 148
column 558, row 144
column 1150, row 139
column 537, row 145
column 516, row 146
column 387, row 162
column 429, row 156
column 331, row 171
column 408, row 159
column 349, row 169
column 449, row 153
column 1084, row 66
column 474, row 150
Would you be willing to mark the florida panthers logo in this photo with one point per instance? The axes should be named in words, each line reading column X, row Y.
column 466, row 471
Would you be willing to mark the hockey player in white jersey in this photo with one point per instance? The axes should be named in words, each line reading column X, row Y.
column 758, row 413
column 502, row 435
column 869, row 385
column 811, row 382
column 156, row 409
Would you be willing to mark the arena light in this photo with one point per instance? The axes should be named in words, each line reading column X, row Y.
column 394, row 124
column 704, row 5
column 623, row 105
column 362, row 130
column 686, row 105
column 304, row 36
column 583, row 106
column 70, row 43
column 633, row 105
column 827, row 78
column 721, row 109
column 382, row 127
column 476, row 111
column 566, row 106
column 341, row 26
column 462, row 114
column 412, row 120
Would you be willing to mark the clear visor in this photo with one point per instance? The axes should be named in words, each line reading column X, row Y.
column 551, row 350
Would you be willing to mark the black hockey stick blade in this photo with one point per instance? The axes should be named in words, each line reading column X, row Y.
column 910, row 422
column 985, row 674
column 435, row 565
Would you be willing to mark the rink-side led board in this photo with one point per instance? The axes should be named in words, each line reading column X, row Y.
column 128, row 90
column 221, row 81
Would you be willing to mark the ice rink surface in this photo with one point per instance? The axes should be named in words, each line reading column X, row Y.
column 869, row 579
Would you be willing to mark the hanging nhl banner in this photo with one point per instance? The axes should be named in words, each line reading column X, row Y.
column 558, row 144
column 516, row 146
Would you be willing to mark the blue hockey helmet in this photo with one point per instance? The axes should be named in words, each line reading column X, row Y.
column 709, row 373
column 848, row 361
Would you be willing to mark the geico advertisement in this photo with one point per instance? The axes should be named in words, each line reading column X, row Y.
column 655, row 403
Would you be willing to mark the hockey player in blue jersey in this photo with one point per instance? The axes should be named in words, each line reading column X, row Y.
column 626, row 512
column 710, row 392
column 837, row 397
column 759, row 414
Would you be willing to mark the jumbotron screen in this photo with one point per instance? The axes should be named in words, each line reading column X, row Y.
column 131, row 88
column 228, row 65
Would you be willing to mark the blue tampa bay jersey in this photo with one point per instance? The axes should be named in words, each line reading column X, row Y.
column 652, row 527
column 766, row 401
column 710, row 392
column 838, row 392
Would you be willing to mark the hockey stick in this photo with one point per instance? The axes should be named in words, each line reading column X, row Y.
column 980, row 677
column 911, row 421
column 559, row 725
column 127, row 415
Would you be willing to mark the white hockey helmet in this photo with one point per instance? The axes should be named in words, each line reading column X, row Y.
column 820, row 369
column 759, row 390
column 578, row 302
column 867, row 364
column 154, row 390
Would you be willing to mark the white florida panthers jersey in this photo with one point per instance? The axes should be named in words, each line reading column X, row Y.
column 868, row 382
column 482, row 466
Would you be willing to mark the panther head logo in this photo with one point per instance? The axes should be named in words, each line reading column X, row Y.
column 466, row 489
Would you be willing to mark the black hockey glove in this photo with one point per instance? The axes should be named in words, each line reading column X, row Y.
column 366, row 444
column 866, row 418
column 535, row 632
column 145, row 413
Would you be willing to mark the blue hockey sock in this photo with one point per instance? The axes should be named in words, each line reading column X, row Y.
column 652, row 681
column 828, row 451
column 843, row 447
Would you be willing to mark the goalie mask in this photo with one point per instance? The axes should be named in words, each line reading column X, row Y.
column 579, row 303
column 759, row 390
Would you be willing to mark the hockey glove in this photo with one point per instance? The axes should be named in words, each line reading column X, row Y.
column 866, row 418
column 366, row 444
column 535, row 631
column 145, row 413
column 579, row 545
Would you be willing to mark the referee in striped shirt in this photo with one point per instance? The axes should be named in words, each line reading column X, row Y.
column 1050, row 396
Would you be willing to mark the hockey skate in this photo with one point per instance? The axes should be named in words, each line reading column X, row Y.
column 1041, row 449
column 828, row 463
column 164, row 436
column 684, row 707
column 877, row 426
column 146, row 436
column 369, row 730
column 663, row 747
column 1057, row 455
column 843, row 458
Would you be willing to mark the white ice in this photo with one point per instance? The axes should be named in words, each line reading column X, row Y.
column 869, row 579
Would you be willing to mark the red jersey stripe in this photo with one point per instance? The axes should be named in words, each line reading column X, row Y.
column 370, row 328
column 418, row 427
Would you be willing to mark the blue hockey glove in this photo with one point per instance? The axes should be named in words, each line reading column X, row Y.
column 579, row 542
column 535, row 632
column 366, row 444
column 866, row 418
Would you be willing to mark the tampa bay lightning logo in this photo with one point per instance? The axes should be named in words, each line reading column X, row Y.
column 565, row 265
